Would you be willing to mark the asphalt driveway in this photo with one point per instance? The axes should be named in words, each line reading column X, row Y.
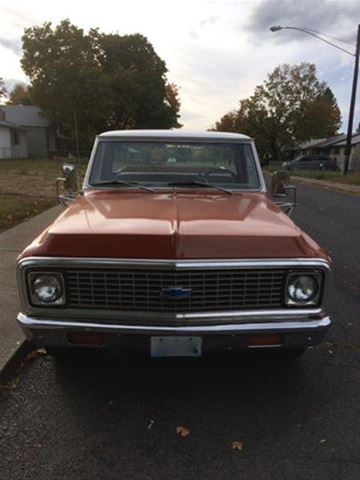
column 116, row 418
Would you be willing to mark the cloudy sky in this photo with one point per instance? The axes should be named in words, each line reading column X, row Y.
column 216, row 51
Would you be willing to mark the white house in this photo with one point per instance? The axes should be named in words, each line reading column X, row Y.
column 13, row 140
column 41, row 137
column 333, row 147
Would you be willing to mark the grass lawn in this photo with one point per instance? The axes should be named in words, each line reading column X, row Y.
column 352, row 178
column 27, row 187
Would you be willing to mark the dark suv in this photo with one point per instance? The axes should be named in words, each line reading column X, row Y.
column 311, row 162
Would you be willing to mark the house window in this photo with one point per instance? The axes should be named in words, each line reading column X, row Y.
column 15, row 137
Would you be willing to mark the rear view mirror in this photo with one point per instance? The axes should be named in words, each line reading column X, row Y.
column 280, row 187
column 69, row 182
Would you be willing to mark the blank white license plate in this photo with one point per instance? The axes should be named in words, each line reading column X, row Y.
column 176, row 346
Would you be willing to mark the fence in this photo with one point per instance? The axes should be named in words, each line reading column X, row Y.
column 14, row 151
column 18, row 153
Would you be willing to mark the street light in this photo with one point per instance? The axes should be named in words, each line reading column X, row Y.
column 313, row 33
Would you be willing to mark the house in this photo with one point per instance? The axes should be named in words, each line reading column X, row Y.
column 13, row 139
column 333, row 147
column 40, row 136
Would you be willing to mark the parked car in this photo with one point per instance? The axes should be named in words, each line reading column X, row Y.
column 311, row 162
column 173, row 246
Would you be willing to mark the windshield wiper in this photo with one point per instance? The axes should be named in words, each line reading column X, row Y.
column 196, row 183
column 123, row 183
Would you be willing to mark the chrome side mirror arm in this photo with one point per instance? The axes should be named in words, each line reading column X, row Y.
column 63, row 200
column 288, row 207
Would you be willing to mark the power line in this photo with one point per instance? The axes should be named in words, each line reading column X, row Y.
column 329, row 36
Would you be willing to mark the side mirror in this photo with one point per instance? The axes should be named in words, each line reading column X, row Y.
column 280, row 187
column 69, row 182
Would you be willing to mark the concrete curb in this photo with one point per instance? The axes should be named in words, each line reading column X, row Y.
column 10, row 368
column 336, row 187
column 13, row 345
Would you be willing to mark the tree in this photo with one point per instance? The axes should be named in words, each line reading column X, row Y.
column 137, row 78
column 19, row 95
column 96, row 81
column 291, row 106
column 3, row 91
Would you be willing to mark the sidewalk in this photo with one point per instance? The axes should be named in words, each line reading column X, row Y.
column 338, row 187
column 12, row 242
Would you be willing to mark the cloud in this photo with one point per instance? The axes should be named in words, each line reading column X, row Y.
column 330, row 16
column 12, row 44
column 194, row 35
column 209, row 20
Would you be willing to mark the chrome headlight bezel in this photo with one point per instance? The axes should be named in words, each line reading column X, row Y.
column 35, row 300
column 315, row 299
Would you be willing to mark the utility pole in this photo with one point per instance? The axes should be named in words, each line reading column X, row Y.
column 76, row 136
column 352, row 105
column 314, row 33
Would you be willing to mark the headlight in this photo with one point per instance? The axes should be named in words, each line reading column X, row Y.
column 46, row 288
column 303, row 289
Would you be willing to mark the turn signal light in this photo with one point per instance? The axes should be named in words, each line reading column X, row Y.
column 86, row 338
column 264, row 340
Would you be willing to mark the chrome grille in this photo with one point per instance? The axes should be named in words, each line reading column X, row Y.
column 141, row 290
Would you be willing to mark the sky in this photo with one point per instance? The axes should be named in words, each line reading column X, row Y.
column 216, row 51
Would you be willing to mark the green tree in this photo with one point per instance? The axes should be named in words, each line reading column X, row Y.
column 137, row 79
column 96, row 81
column 291, row 106
column 19, row 95
column 3, row 91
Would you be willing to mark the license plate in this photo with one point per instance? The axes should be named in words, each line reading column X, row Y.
column 176, row 346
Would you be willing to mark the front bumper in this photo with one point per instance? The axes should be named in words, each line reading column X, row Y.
column 295, row 333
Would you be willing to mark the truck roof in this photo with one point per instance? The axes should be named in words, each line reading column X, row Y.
column 175, row 135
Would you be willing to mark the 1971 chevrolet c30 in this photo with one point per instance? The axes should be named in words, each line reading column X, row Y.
column 174, row 247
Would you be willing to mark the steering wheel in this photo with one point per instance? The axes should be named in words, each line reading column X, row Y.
column 217, row 170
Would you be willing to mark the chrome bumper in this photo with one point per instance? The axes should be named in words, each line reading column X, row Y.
column 297, row 333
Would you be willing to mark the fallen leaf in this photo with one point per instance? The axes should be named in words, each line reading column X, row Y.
column 237, row 445
column 323, row 440
column 182, row 431
column 34, row 354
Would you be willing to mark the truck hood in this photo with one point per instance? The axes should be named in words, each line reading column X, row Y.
column 173, row 225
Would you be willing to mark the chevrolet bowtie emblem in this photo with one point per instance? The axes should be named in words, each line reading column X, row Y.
column 176, row 293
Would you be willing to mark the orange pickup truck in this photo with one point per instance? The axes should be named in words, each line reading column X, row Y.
column 173, row 246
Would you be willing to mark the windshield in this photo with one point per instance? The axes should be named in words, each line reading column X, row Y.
column 175, row 164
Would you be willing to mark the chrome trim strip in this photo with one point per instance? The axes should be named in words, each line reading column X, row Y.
column 174, row 264
column 139, row 317
column 29, row 323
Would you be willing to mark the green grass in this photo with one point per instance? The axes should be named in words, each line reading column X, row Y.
column 30, row 166
column 14, row 210
column 350, row 179
column 27, row 187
